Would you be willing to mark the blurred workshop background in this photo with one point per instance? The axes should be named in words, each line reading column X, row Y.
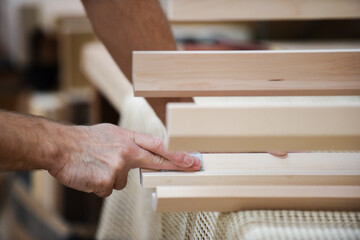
column 42, row 46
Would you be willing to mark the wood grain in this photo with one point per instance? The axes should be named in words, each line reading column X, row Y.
column 235, row 198
column 246, row 73
column 266, row 126
column 264, row 168
column 235, row 10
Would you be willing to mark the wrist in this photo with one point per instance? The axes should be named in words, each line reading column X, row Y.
column 56, row 146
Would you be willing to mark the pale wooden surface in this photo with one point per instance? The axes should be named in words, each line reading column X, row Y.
column 235, row 10
column 264, row 126
column 104, row 74
column 313, row 44
column 264, row 168
column 246, row 73
column 235, row 198
column 102, row 71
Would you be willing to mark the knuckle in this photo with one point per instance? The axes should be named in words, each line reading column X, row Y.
column 105, row 182
column 137, row 159
column 121, row 182
column 121, row 186
column 104, row 194
column 87, row 190
column 108, row 193
column 127, row 151
column 120, row 165
column 158, row 160
column 178, row 156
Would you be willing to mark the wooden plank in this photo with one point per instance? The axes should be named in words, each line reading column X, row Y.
column 263, row 168
column 266, row 126
column 250, row 10
column 246, row 73
column 255, row 177
column 235, row 198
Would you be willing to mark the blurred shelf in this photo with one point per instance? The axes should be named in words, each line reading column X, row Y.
column 25, row 218
column 256, row 10
column 25, row 215
column 51, row 11
column 72, row 35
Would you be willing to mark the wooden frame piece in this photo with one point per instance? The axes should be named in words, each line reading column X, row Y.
column 262, row 127
column 235, row 198
column 249, row 10
column 264, row 169
column 246, row 73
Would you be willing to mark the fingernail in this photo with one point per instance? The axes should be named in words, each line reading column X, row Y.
column 197, row 162
column 188, row 161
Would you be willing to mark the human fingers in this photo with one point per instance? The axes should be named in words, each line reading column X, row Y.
column 149, row 160
column 157, row 146
column 104, row 187
column 121, row 180
column 282, row 154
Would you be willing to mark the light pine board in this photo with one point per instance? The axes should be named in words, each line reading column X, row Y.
column 264, row 126
column 263, row 168
column 246, row 73
column 235, row 198
column 235, row 10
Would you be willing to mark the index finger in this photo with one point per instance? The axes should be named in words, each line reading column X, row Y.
column 157, row 146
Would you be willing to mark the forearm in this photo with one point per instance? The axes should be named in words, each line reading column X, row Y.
column 28, row 142
column 128, row 25
column 88, row 158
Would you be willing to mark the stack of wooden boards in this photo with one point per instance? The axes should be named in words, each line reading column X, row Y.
column 228, row 182
column 231, row 182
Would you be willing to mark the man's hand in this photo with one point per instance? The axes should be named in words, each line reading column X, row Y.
column 91, row 159
column 97, row 158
